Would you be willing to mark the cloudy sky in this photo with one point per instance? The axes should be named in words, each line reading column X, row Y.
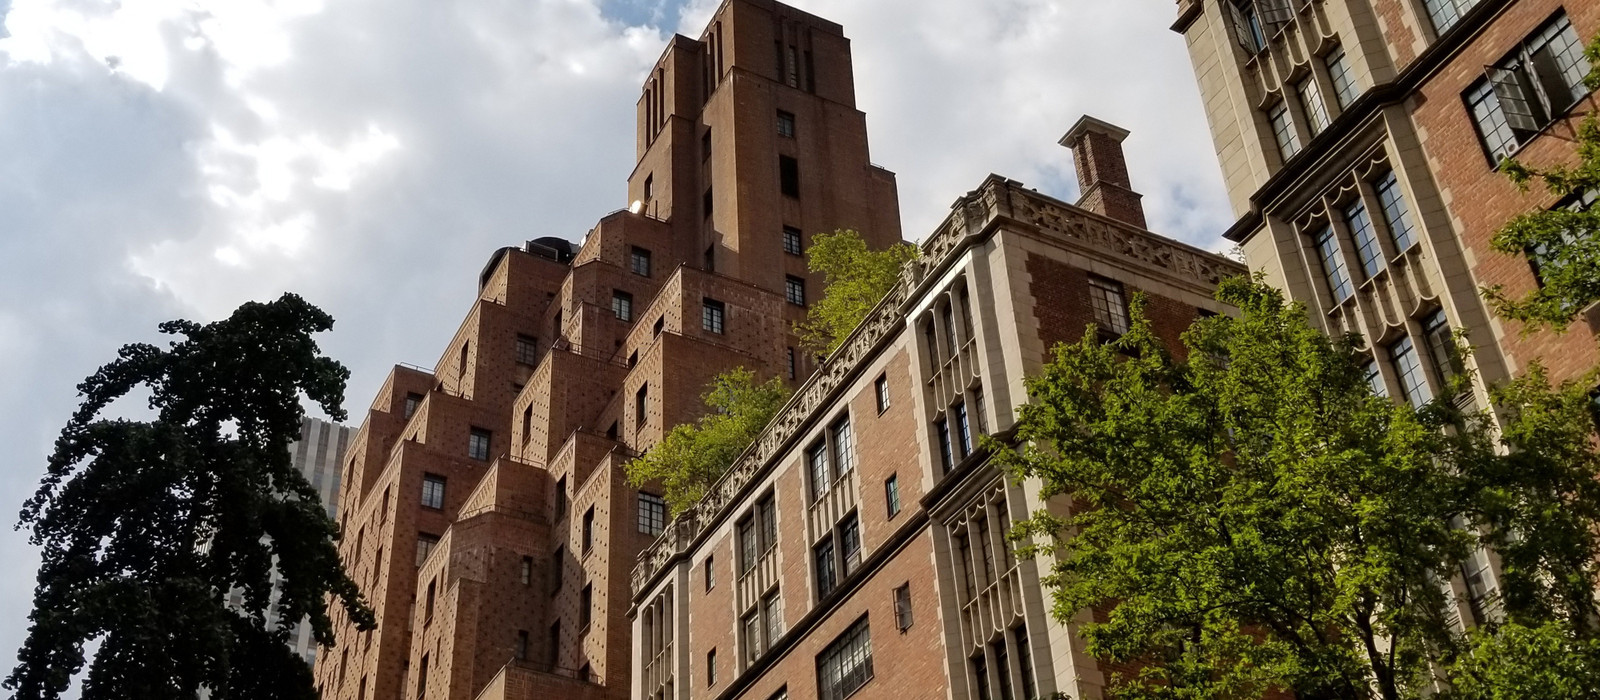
column 166, row 159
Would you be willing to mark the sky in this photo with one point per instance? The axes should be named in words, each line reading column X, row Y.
column 165, row 159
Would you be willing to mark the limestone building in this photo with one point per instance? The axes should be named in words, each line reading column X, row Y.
column 1358, row 141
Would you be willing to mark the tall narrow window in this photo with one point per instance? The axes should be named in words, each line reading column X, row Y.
column 478, row 441
column 1441, row 346
column 558, row 569
column 622, row 305
column 986, row 549
column 641, row 401
column 789, row 176
column 422, row 679
column 980, row 676
column 1374, row 378
column 1311, row 101
column 947, row 318
column 432, row 491
column 1495, row 132
column 794, row 290
column 843, row 452
column 639, row 261
column 527, row 571
column 891, row 494
column 793, row 362
column 880, row 390
column 1367, row 250
column 561, row 496
column 1408, row 369
column 1333, row 265
column 588, row 530
column 652, row 514
column 963, row 556
column 522, row 645
column 785, row 124
column 1025, row 661
column 827, row 574
column 586, row 606
column 1343, row 79
column 978, row 410
column 941, row 435
column 433, row 585
column 707, row 202
column 963, row 428
column 850, row 544
column 772, row 614
column 1109, row 304
column 710, row 573
column 1247, row 26
column 711, row 667
column 1002, row 666
column 1395, row 211
column 846, row 664
column 753, row 642
column 817, row 467
column 711, row 315
column 1283, row 130
column 902, row 608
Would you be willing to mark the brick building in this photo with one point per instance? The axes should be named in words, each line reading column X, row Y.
column 485, row 508
column 1358, row 141
column 862, row 534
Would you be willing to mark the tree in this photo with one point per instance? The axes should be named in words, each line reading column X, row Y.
column 1564, row 243
column 146, row 526
column 855, row 279
column 1253, row 517
column 694, row 455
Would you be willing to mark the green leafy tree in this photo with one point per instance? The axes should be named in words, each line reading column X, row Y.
column 855, row 279
column 694, row 455
column 1254, row 518
column 146, row 526
column 1564, row 242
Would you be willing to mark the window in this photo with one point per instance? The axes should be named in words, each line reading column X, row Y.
column 792, row 363
column 880, row 389
column 791, row 241
column 785, row 124
column 705, row 144
column 641, row 401
column 850, row 544
column 661, row 324
column 432, row 491
column 758, row 533
column 1445, row 13
column 554, row 652
column 948, row 320
column 527, row 350
column 817, row 466
column 1528, row 89
column 639, row 261
column 522, row 645
column 527, row 571
column 1395, row 212
column 586, row 606
column 977, row 406
column 561, row 497
column 710, row 573
column 711, row 667
column 844, row 456
column 1283, row 130
column 712, row 313
column 1024, row 661
column 1409, row 371
column 622, row 305
column 789, row 176
column 652, row 514
column 772, row 612
column 1374, row 378
column 891, row 494
column 425, row 543
column 649, row 186
column 478, row 444
column 1110, row 308
column 1339, row 73
column 1247, row 26
column 412, row 401
column 963, row 428
column 827, row 571
column 941, row 432
column 902, row 607
column 558, row 569
column 433, row 585
column 794, row 290
column 588, row 530
column 985, row 547
column 706, row 202
column 422, row 678
column 710, row 263
column 1367, row 250
column 1333, row 265
column 1441, row 346
column 1311, row 101
column 963, row 556
column 846, row 664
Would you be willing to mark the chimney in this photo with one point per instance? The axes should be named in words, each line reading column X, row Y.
column 1102, row 171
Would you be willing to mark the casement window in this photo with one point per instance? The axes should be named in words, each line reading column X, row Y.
column 963, row 557
column 817, row 467
column 478, row 444
column 1441, row 346
column 1367, row 248
column 1019, row 634
column 652, row 514
column 425, row 544
column 1543, row 256
column 850, row 544
column 947, row 318
column 1110, row 305
column 1522, row 93
column 846, row 664
column 976, row 402
column 941, row 436
column 1283, row 132
column 639, row 261
column 1408, row 369
column 792, row 243
column 838, row 555
column 980, row 676
column 902, row 607
column 891, row 495
column 758, row 534
column 710, row 573
column 785, row 124
column 1340, row 74
column 762, row 626
column 711, row 668
column 794, row 290
column 413, row 400
column 880, row 390
column 1333, row 268
column 432, row 491
column 712, row 314
column 1445, row 13
column 963, row 428
column 827, row 571
column 622, row 305
column 1311, row 102
column 1002, row 666
column 789, row 176
column 527, row 350
column 830, row 458
column 1247, row 29
column 1374, row 378
column 1396, row 213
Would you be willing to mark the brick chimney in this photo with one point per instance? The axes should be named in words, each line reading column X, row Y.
column 1102, row 171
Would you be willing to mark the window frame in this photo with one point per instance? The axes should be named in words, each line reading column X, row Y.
column 713, row 316
column 639, row 261
column 622, row 305
column 845, row 665
column 480, row 443
column 433, row 489
column 652, row 518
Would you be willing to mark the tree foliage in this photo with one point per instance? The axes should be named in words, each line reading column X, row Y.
column 855, row 280
column 1255, row 518
column 694, row 455
column 146, row 526
column 1563, row 242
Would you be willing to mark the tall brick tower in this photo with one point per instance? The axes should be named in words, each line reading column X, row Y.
column 485, row 508
column 1358, row 140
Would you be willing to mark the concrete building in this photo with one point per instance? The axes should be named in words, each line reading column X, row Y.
column 486, row 512
column 1358, row 140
